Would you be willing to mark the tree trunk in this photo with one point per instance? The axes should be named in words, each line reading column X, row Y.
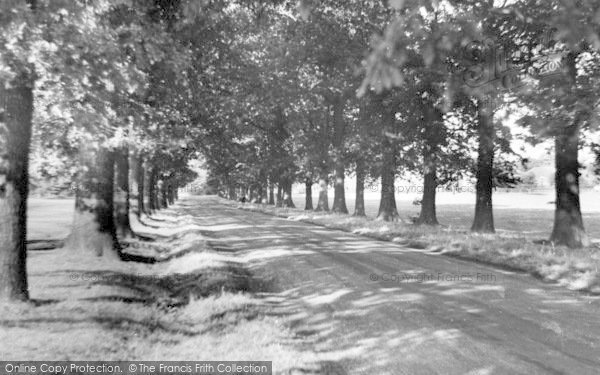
column 264, row 191
column 140, row 181
column 170, row 193
column 387, row 205
column 15, row 139
column 122, row 194
column 308, row 205
column 271, row 194
column 231, row 193
column 339, row 194
column 568, row 224
column 133, row 182
column 339, row 133
column 162, row 185
column 157, row 195
column 152, row 201
column 259, row 193
column 148, row 187
column 323, row 202
column 279, row 202
column 359, row 205
column 251, row 194
column 484, row 217
column 94, row 224
column 287, row 194
column 428, row 215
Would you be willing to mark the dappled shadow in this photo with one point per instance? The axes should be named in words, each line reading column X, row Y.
column 378, row 307
column 177, row 289
column 156, row 283
column 364, row 306
column 378, row 327
column 42, row 302
column 111, row 322
column 146, row 224
column 169, row 290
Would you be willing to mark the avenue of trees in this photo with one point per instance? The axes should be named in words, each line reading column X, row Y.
column 272, row 93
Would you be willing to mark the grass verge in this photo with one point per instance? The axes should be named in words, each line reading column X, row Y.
column 193, row 303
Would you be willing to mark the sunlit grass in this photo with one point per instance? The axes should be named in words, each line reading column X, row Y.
column 196, row 304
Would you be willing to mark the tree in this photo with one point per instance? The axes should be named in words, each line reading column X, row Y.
column 16, row 101
column 389, row 162
column 24, row 61
column 562, row 96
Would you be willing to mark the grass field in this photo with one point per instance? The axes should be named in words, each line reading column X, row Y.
column 530, row 214
column 49, row 218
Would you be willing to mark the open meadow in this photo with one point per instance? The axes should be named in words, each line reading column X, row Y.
column 528, row 213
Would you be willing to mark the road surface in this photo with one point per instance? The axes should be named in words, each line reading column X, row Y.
column 372, row 307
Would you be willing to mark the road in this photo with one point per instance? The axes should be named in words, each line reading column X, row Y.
column 371, row 307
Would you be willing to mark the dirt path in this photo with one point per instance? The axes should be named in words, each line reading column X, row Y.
column 370, row 307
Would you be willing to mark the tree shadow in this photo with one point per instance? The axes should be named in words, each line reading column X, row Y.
column 177, row 289
column 357, row 324
column 47, row 244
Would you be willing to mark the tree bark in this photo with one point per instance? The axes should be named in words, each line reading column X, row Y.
column 271, row 194
column 323, row 202
column 428, row 214
column 568, row 224
column 15, row 139
column 253, row 194
column 432, row 134
column 162, row 186
column 359, row 205
column 231, row 193
column 484, row 217
column 140, row 181
column 339, row 193
column 122, row 194
column 287, row 194
column 133, row 182
column 387, row 205
column 259, row 193
column 339, row 133
column 94, row 224
column 264, row 191
column 157, row 194
column 152, row 199
column 170, row 193
column 308, row 203
column 279, row 202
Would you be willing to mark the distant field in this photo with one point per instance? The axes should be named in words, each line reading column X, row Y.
column 49, row 218
column 529, row 213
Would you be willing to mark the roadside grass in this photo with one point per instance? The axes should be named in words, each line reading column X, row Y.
column 195, row 303
column 575, row 269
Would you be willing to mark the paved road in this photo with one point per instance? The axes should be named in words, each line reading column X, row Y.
column 370, row 307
